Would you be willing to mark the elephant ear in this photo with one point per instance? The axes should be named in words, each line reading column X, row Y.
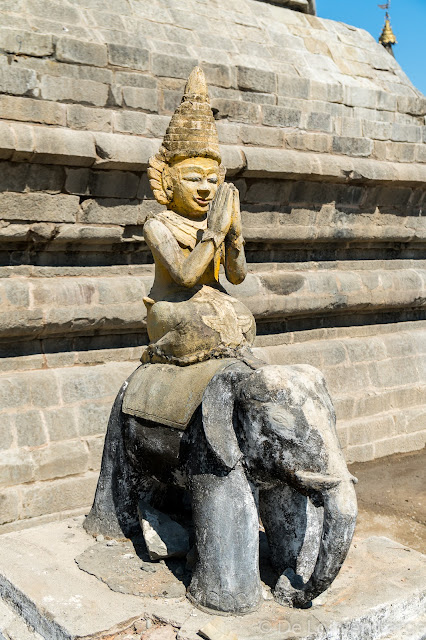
column 217, row 411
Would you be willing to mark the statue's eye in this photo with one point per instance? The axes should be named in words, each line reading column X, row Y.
column 212, row 179
column 193, row 178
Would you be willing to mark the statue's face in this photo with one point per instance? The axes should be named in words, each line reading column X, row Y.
column 194, row 182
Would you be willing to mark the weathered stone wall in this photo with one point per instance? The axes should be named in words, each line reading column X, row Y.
column 324, row 136
column 52, row 423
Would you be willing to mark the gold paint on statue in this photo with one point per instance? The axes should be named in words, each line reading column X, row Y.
column 190, row 316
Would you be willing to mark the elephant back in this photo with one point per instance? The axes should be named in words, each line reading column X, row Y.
column 167, row 394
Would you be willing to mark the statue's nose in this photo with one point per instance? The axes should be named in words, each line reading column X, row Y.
column 204, row 189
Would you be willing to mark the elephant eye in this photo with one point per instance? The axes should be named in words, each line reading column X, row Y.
column 280, row 415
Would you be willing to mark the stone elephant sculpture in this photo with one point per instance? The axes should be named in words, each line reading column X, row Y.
column 263, row 441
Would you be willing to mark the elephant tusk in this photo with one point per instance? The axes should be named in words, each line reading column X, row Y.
column 317, row 481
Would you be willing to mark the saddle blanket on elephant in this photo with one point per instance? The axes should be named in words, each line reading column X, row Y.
column 168, row 394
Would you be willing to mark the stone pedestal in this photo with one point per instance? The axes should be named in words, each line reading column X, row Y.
column 379, row 593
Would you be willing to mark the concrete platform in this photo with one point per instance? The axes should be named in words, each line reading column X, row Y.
column 391, row 494
column 380, row 593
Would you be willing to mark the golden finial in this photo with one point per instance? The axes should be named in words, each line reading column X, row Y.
column 388, row 36
column 387, row 39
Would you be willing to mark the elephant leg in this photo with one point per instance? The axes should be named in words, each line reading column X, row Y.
column 226, row 576
column 293, row 528
column 114, row 510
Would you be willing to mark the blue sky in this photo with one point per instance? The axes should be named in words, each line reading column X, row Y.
column 408, row 22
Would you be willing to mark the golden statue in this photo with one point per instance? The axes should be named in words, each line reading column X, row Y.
column 190, row 317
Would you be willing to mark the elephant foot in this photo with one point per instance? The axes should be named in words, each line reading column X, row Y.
column 225, row 603
column 289, row 591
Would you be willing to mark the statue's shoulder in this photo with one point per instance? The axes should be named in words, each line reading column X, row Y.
column 165, row 226
column 153, row 220
column 184, row 231
column 154, row 226
column 164, row 219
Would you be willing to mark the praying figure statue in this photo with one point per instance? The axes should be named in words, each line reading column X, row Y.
column 190, row 317
column 204, row 418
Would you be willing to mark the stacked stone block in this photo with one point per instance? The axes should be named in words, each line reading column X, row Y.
column 323, row 135
column 50, row 431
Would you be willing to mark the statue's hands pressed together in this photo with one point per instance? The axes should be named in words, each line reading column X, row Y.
column 235, row 260
column 220, row 215
column 235, row 233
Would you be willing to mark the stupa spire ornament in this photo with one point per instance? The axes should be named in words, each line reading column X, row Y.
column 387, row 38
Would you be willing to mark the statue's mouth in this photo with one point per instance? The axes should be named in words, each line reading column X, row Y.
column 202, row 202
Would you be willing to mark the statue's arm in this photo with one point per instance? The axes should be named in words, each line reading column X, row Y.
column 235, row 263
column 235, row 258
column 185, row 271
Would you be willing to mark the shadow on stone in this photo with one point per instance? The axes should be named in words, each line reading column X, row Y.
column 268, row 575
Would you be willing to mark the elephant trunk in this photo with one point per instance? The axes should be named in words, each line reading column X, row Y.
column 340, row 511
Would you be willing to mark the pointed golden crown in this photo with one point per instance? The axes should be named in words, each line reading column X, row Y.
column 192, row 130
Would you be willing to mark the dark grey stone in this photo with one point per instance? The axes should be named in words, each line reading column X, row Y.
column 304, row 6
column 256, row 80
column 127, row 56
column 319, row 122
column 357, row 147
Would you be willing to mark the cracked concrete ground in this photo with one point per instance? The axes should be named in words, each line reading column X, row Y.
column 392, row 498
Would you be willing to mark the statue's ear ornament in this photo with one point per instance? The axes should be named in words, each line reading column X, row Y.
column 167, row 183
column 159, row 179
